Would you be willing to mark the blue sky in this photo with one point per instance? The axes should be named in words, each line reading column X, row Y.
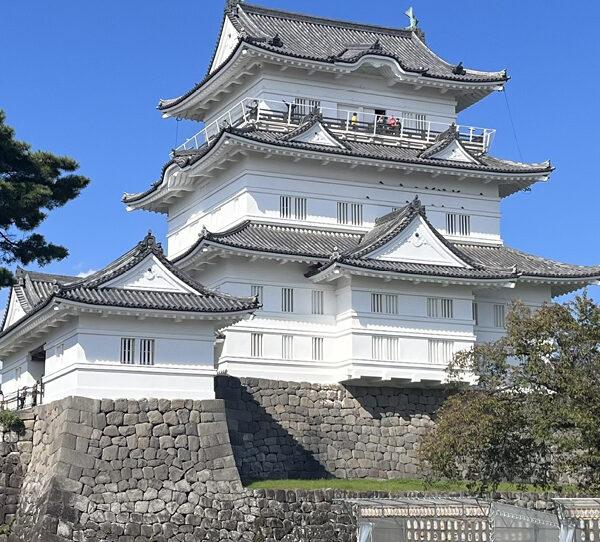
column 83, row 79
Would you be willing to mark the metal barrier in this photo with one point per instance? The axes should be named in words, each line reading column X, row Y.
column 412, row 129
column 25, row 397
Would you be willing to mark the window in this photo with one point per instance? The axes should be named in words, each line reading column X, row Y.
column 447, row 308
column 146, row 351
column 349, row 213
column 385, row 348
column 287, row 299
column 440, row 351
column 59, row 351
column 127, row 350
column 499, row 316
column 305, row 106
column 317, row 302
column 432, row 307
column 415, row 121
column 457, row 224
column 257, row 291
column 440, row 307
column 256, row 345
column 391, row 304
column 384, row 303
column 317, row 348
column 292, row 207
column 287, row 346
column 475, row 311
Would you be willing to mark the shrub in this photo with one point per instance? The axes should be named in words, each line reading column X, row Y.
column 11, row 422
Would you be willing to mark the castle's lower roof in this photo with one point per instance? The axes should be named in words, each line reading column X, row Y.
column 35, row 290
column 324, row 248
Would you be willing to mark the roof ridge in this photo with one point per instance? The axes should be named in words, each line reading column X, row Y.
column 370, row 27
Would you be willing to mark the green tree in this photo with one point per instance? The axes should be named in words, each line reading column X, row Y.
column 31, row 183
column 534, row 413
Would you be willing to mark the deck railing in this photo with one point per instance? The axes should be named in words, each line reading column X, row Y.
column 394, row 128
column 25, row 397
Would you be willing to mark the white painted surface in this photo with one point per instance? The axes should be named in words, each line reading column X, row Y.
column 227, row 41
column 14, row 311
column 417, row 244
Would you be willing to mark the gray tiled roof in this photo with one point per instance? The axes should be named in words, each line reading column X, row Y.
column 35, row 290
column 526, row 264
column 485, row 261
column 272, row 238
column 338, row 42
column 333, row 40
column 357, row 149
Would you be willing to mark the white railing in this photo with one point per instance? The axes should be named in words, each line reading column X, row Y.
column 411, row 129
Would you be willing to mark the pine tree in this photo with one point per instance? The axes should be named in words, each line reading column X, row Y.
column 31, row 184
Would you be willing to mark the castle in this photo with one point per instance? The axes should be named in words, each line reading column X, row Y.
column 332, row 222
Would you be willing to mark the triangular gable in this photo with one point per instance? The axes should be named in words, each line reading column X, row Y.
column 317, row 135
column 14, row 311
column 149, row 274
column 417, row 243
column 455, row 152
column 228, row 40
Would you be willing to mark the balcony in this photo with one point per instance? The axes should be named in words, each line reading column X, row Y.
column 394, row 128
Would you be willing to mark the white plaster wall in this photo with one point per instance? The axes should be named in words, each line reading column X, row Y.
column 356, row 92
column 253, row 192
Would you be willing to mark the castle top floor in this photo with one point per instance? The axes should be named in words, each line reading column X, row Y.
column 391, row 68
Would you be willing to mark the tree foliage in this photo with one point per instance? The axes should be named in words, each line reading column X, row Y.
column 31, row 184
column 534, row 413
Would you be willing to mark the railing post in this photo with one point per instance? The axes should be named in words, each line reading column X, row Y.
column 347, row 120
column 257, row 110
column 428, row 129
column 289, row 115
column 375, row 124
column 244, row 111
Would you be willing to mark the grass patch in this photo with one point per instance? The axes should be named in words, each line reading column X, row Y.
column 393, row 485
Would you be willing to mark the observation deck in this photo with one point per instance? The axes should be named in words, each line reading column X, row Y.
column 399, row 128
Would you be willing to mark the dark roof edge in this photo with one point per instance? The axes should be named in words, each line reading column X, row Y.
column 545, row 167
column 165, row 104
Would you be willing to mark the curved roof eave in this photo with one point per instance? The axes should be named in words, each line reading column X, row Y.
column 171, row 107
column 136, row 201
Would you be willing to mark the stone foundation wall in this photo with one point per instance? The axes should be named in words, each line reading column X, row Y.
column 131, row 470
column 134, row 471
column 302, row 430
column 15, row 456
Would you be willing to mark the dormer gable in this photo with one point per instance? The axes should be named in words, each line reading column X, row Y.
column 449, row 147
column 405, row 235
column 149, row 274
column 455, row 152
column 315, row 134
column 417, row 244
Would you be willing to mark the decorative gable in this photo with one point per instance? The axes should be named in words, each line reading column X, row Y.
column 149, row 274
column 417, row 243
column 455, row 152
column 15, row 311
column 227, row 42
column 317, row 135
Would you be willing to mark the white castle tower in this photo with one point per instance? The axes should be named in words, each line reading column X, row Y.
column 333, row 180
column 332, row 221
